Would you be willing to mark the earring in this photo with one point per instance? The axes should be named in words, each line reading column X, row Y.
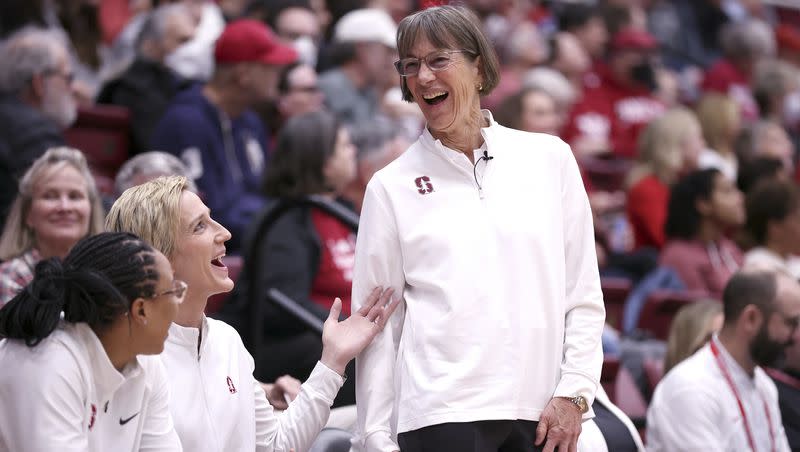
column 144, row 322
column 480, row 87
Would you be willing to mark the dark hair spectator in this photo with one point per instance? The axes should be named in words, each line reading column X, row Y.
column 304, row 253
column 770, row 201
column 683, row 217
column 531, row 110
column 758, row 169
column 586, row 22
column 745, row 288
column 704, row 206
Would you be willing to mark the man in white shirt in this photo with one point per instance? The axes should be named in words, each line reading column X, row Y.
column 720, row 399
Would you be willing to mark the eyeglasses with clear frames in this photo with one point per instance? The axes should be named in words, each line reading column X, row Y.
column 436, row 61
column 178, row 289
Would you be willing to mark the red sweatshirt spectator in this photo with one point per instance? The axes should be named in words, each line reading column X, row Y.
column 610, row 116
column 668, row 148
column 744, row 44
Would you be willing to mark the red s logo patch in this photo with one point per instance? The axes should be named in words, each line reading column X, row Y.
column 94, row 414
column 424, row 185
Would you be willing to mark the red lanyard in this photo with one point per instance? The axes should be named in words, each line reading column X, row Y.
column 724, row 369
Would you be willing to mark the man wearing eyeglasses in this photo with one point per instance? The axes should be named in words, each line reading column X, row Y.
column 721, row 398
column 36, row 104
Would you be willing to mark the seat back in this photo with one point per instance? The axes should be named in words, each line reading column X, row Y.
column 102, row 133
column 615, row 292
column 661, row 307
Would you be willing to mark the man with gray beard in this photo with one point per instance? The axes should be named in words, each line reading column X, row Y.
column 36, row 103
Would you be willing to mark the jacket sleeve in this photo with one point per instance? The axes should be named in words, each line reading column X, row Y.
column 49, row 410
column 158, row 431
column 299, row 425
column 585, row 313
column 287, row 260
column 378, row 262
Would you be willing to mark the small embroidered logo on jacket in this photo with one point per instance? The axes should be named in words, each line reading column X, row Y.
column 424, row 185
column 91, row 418
column 231, row 387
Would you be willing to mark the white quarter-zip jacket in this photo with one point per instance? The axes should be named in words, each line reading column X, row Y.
column 65, row 395
column 217, row 405
column 502, row 302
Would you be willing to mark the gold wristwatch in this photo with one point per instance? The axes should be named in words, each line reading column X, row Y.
column 579, row 402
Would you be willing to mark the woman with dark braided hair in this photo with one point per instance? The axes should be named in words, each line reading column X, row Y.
column 80, row 382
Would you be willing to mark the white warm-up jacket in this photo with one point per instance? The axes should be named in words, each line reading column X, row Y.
column 65, row 395
column 502, row 302
column 217, row 405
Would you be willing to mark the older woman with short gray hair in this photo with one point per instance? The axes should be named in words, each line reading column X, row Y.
column 487, row 234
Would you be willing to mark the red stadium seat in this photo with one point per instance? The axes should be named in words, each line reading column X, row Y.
column 606, row 173
column 608, row 376
column 234, row 264
column 653, row 372
column 101, row 132
column 661, row 307
column 615, row 292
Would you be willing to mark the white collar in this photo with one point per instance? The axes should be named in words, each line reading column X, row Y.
column 430, row 142
column 188, row 336
column 107, row 378
column 739, row 375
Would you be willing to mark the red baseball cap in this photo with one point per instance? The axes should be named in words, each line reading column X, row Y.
column 633, row 39
column 250, row 40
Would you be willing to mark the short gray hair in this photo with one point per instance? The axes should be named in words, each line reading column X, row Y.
column 33, row 51
column 773, row 80
column 371, row 137
column 449, row 27
column 553, row 83
column 151, row 165
column 157, row 22
column 747, row 40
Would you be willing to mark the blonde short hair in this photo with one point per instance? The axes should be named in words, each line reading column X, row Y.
column 718, row 114
column 690, row 330
column 18, row 238
column 151, row 211
column 661, row 144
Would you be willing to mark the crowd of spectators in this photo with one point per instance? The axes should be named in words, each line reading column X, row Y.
column 683, row 115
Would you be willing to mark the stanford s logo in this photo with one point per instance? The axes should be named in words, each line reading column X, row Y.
column 424, row 185
column 94, row 414
column 231, row 387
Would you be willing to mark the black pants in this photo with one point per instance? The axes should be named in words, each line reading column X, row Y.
column 479, row 436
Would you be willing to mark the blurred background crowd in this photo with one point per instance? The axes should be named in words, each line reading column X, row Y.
column 684, row 116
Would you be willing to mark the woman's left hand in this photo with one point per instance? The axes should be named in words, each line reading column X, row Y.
column 342, row 341
column 559, row 425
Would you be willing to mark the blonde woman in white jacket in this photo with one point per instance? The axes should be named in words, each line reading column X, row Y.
column 216, row 402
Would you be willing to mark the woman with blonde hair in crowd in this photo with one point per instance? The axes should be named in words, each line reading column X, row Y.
column 57, row 205
column 668, row 148
column 691, row 328
column 721, row 122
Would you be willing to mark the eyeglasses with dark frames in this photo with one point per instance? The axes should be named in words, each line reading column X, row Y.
column 436, row 61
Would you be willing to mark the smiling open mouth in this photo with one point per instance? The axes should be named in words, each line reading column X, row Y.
column 435, row 98
column 217, row 262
